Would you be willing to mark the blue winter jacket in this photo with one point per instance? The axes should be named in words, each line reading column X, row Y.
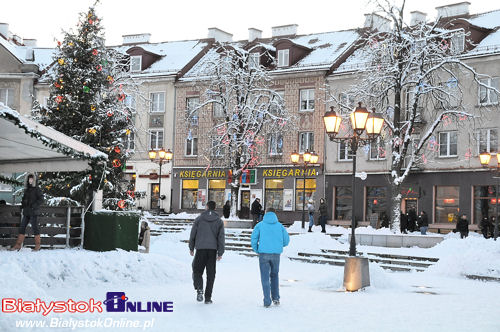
column 269, row 236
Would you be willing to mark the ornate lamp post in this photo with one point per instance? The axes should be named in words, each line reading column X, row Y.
column 361, row 121
column 308, row 158
column 485, row 158
column 163, row 156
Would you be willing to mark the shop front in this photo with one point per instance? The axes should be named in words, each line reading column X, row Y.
column 282, row 188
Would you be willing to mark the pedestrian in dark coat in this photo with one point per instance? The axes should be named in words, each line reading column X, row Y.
column 207, row 237
column 226, row 210
column 412, row 220
column 256, row 210
column 463, row 226
column 403, row 223
column 423, row 222
column 323, row 214
column 384, row 220
column 485, row 226
column 30, row 204
column 493, row 220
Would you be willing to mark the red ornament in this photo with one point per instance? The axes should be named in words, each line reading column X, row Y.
column 130, row 193
column 117, row 149
column 109, row 113
column 121, row 97
column 116, row 163
column 57, row 85
column 58, row 43
column 91, row 22
column 59, row 99
column 121, row 204
column 94, row 52
column 99, row 68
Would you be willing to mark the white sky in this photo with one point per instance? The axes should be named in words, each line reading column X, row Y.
column 169, row 20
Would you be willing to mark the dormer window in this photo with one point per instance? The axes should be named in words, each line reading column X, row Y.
column 135, row 63
column 253, row 60
column 458, row 42
column 283, row 58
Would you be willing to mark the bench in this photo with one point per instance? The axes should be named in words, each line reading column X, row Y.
column 444, row 228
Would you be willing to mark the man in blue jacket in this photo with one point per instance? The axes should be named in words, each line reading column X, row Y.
column 268, row 239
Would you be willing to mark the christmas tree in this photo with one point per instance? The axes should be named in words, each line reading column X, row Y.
column 87, row 103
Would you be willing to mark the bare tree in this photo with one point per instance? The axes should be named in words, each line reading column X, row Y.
column 245, row 110
column 416, row 77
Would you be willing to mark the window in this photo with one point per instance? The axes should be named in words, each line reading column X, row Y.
column 131, row 141
column 448, row 144
column 343, row 203
column 3, row 186
column 156, row 121
column 417, row 162
column 306, row 142
column 446, row 204
column 307, row 100
column 283, row 58
column 487, row 140
column 217, row 150
column 299, row 192
column 189, row 194
column 155, row 139
column 277, row 101
column 191, row 146
column 192, row 113
column 131, row 103
column 377, row 149
column 345, row 152
column 376, row 201
column 216, row 190
column 157, row 102
column 484, row 202
column 486, row 95
column 7, row 97
column 275, row 144
column 346, row 100
column 254, row 60
column 450, row 96
column 217, row 108
column 410, row 99
column 458, row 42
column 274, row 194
column 135, row 63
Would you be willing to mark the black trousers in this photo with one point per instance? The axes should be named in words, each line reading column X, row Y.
column 33, row 220
column 204, row 258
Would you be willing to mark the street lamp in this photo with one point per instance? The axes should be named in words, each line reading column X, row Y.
column 485, row 158
column 361, row 121
column 163, row 156
column 308, row 158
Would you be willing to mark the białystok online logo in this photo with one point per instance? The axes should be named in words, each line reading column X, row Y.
column 115, row 302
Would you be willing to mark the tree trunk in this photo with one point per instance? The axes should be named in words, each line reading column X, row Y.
column 235, row 188
column 395, row 206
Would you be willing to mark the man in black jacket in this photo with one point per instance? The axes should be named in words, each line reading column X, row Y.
column 30, row 204
column 207, row 237
column 256, row 210
column 423, row 222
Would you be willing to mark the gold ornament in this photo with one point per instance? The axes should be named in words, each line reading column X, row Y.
column 70, row 44
column 92, row 108
column 127, row 132
column 61, row 61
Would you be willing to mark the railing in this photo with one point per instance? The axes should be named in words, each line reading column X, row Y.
column 60, row 227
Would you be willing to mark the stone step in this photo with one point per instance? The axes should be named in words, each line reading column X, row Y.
column 374, row 260
column 482, row 278
column 231, row 248
column 411, row 258
column 239, row 244
column 342, row 263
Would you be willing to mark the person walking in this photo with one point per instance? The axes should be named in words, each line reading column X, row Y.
column 403, row 223
column 226, row 210
column 207, row 237
column 411, row 217
column 493, row 220
column 323, row 214
column 256, row 210
column 485, row 226
column 30, row 204
column 423, row 222
column 463, row 226
column 310, row 210
column 268, row 239
column 144, row 236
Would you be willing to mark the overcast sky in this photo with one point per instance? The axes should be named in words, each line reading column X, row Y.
column 169, row 20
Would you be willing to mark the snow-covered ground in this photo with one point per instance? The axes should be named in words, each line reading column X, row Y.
column 312, row 298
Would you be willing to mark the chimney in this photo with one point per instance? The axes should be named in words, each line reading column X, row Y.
column 18, row 40
column 454, row 9
column 285, row 30
column 377, row 22
column 417, row 17
column 219, row 35
column 141, row 38
column 4, row 30
column 30, row 42
column 254, row 34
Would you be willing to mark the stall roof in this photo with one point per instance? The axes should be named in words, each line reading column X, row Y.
column 28, row 146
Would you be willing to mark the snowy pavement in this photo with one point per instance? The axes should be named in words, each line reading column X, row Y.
column 312, row 299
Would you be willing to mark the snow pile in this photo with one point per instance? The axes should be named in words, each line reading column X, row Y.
column 473, row 255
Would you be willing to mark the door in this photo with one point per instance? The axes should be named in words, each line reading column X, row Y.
column 155, row 195
column 245, row 204
column 410, row 203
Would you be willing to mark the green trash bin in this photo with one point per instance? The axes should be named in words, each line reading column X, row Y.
column 109, row 230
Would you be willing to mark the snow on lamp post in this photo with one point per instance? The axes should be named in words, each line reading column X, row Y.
column 484, row 159
column 356, row 274
column 308, row 158
column 163, row 156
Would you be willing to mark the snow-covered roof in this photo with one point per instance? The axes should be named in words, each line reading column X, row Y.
column 490, row 44
column 489, row 20
column 26, row 145
column 18, row 51
column 175, row 55
column 325, row 48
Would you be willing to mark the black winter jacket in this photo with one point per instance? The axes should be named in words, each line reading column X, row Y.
column 323, row 210
column 256, row 208
column 207, row 232
column 463, row 225
column 423, row 221
column 32, row 199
